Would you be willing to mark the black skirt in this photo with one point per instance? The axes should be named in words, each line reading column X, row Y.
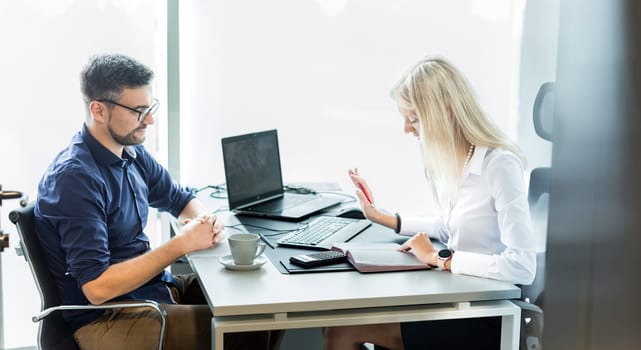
column 468, row 333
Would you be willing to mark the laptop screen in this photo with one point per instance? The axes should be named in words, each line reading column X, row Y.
column 252, row 167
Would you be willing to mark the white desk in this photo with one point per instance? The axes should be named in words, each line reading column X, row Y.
column 265, row 299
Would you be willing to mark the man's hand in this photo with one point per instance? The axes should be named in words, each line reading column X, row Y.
column 203, row 232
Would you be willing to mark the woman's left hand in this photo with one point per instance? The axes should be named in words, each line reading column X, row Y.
column 422, row 247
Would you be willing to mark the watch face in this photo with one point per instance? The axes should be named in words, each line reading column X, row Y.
column 444, row 253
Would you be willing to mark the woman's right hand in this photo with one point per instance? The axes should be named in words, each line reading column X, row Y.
column 364, row 194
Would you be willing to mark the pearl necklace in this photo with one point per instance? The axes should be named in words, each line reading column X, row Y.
column 470, row 151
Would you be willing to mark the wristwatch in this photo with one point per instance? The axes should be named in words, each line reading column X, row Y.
column 443, row 256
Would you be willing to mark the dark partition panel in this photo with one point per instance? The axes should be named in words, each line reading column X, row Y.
column 593, row 278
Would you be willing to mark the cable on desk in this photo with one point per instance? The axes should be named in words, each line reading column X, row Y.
column 351, row 198
column 220, row 209
column 262, row 236
column 236, row 228
column 298, row 189
column 307, row 190
column 218, row 191
column 279, row 232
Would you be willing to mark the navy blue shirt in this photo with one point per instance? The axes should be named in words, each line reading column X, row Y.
column 91, row 210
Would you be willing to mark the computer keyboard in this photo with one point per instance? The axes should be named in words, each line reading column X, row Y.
column 324, row 231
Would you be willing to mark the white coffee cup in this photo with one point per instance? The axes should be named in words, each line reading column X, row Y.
column 245, row 247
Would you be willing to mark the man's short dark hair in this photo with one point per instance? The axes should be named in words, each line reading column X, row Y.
column 106, row 76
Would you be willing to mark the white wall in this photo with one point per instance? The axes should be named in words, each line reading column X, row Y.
column 538, row 65
column 320, row 72
column 45, row 44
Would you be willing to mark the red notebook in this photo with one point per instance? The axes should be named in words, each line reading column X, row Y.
column 379, row 257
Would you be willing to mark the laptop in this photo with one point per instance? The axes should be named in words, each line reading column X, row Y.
column 255, row 183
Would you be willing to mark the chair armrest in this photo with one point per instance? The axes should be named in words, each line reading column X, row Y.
column 112, row 305
column 528, row 308
column 531, row 325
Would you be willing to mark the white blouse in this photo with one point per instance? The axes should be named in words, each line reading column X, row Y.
column 488, row 224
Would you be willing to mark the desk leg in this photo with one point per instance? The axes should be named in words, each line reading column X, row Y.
column 217, row 336
column 510, row 330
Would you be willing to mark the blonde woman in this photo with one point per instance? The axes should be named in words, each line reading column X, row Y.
column 476, row 174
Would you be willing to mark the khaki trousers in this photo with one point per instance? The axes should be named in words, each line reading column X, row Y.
column 188, row 326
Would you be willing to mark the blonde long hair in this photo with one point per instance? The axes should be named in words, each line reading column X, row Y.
column 449, row 116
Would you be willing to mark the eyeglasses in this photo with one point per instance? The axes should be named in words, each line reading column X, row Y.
column 142, row 114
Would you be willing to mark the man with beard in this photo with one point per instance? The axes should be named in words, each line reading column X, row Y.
column 92, row 207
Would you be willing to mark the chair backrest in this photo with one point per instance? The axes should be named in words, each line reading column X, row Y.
column 539, row 187
column 543, row 112
column 543, row 119
column 54, row 332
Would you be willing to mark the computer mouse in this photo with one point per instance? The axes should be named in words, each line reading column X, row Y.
column 352, row 213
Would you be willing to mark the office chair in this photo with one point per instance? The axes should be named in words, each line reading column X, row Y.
column 53, row 331
column 531, row 302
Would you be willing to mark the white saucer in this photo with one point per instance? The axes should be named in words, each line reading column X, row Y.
column 228, row 261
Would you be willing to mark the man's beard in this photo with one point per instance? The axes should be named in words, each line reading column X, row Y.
column 125, row 140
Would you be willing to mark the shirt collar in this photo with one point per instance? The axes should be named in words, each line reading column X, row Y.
column 476, row 162
column 104, row 156
column 130, row 153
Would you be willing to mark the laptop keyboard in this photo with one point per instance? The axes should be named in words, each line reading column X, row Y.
column 321, row 228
